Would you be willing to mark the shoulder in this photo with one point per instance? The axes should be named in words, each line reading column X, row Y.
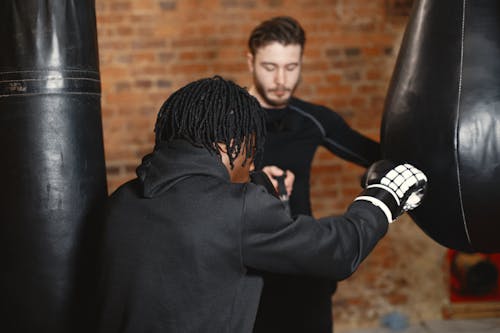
column 126, row 192
column 319, row 112
column 305, row 106
column 324, row 118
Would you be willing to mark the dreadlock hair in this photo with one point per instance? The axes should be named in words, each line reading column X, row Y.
column 211, row 111
column 283, row 29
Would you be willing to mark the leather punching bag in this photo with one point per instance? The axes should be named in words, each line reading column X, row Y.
column 442, row 114
column 54, row 182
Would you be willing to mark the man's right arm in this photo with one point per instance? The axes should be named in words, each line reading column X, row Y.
column 330, row 247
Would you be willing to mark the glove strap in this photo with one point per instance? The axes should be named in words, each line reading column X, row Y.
column 384, row 198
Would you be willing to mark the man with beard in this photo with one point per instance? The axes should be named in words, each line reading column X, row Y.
column 296, row 129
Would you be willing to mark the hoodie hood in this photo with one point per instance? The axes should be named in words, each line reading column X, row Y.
column 174, row 161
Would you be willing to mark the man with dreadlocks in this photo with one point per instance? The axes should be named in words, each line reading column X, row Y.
column 186, row 242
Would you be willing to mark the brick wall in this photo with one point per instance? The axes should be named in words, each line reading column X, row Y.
column 149, row 48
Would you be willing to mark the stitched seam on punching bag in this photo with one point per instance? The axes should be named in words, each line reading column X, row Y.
column 457, row 121
column 49, row 81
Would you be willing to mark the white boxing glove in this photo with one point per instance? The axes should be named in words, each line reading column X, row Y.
column 393, row 188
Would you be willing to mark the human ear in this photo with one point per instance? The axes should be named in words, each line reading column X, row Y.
column 224, row 157
column 250, row 62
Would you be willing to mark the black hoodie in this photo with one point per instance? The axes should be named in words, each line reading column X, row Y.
column 184, row 246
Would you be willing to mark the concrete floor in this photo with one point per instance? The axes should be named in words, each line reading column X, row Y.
column 484, row 325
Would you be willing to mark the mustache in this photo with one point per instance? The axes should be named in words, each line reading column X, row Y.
column 280, row 89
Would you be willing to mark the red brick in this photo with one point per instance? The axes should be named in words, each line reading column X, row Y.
column 334, row 89
column 143, row 6
column 143, row 57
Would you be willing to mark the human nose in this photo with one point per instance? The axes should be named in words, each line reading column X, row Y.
column 280, row 77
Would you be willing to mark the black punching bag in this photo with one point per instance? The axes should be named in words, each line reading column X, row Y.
column 442, row 114
column 54, row 182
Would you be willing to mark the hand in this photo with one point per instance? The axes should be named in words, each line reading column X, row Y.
column 273, row 171
column 394, row 189
column 260, row 178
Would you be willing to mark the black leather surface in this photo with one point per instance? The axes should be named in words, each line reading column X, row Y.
column 442, row 114
column 53, row 165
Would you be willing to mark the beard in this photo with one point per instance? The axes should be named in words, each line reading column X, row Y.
column 265, row 94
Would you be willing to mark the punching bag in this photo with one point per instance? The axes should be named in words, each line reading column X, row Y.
column 442, row 114
column 54, row 182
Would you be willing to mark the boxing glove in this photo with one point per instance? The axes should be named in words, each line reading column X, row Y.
column 393, row 188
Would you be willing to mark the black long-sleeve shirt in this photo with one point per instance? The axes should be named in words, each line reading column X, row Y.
column 294, row 135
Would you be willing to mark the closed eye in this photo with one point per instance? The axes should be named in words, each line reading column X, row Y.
column 269, row 67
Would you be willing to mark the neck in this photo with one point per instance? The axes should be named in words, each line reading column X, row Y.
column 253, row 91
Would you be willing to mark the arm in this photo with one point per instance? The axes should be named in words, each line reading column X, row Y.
column 331, row 247
column 345, row 142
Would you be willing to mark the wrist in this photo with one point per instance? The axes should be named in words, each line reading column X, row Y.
column 383, row 198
